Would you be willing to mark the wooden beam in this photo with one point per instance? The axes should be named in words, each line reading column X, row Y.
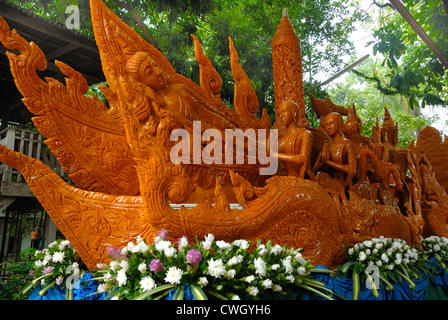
column 13, row 13
column 60, row 51
column 419, row 30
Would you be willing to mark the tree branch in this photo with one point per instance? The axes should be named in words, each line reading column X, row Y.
column 379, row 85
column 138, row 19
column 382, row 5
column 445, row 6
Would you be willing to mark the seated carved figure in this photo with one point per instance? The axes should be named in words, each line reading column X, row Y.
column 295, row 146
column 339, row 154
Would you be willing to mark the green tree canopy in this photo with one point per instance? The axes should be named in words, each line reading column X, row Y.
column 413, row 70
column 323, row 26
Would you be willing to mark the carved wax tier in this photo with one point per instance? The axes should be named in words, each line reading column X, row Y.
column 119, row 156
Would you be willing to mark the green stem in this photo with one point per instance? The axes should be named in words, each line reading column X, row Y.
column 44, row 290
column 304, row 286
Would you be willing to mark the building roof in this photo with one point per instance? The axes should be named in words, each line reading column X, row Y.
column 57, row 42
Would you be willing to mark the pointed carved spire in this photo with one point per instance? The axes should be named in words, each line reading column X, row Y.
column 287, row 65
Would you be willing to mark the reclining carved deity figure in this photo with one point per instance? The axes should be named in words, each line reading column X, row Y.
column 119, row 156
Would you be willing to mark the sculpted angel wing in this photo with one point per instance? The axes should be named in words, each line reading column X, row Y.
column 86, row 137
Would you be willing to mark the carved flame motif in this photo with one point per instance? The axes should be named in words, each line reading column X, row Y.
column 119, row 156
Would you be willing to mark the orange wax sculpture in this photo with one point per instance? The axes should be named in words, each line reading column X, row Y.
column 119, row 156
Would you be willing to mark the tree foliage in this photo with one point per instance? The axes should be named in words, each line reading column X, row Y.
column 370, row 102
column 414, row 71
column 323, row 27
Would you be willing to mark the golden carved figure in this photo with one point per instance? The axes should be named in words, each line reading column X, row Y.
column 295, row 146
column 338, row 154
column 119, row 156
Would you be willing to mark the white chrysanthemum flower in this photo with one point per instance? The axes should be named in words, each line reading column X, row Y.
column 243, row 244
column 124, row 264
column 102, row 288
column 275, row 266
column 38, row 263
column 173, row 275
column 300, row 259
column 142, row 267
column 216, row 268
column 235, row 297
column 235, row 260
column 202, row 282
column 114, row 265
column 362, row 256
column 63, row 244
column 169, row 252
column 183, row 242
column 277, row 288
column 230, row 274
column 267, row 283
column 128, row 249
column 162, row 245
column 140, row 247
column 249, row 279
column 209, row 238
column 301, row 271
column 207, row 245
column 276, row 249
column 291, row 278
column 58, row 256
column 260, row 267
column 287, row 264
column 147, row 283
column 223, row 245
column 350, row 251
column 262, row 250
column 121, row 278
column 253, row 291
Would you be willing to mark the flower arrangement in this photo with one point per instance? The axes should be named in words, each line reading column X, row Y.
column 208, row 268
column 437, row 248
column 58, row 264
column 393, row 259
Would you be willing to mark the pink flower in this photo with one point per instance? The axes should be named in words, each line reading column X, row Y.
column 115, row 253
column 47, row 270
column 194, row 256
column 156, row 266
column 163, row 234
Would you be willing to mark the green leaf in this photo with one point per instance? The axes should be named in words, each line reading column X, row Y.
column 144, row 295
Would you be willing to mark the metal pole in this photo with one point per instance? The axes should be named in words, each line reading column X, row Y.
column 337, row 75
column 419, row 30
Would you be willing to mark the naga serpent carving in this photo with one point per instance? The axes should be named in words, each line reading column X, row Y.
column 118, row 156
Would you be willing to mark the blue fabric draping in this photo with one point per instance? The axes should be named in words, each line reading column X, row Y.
column 341, row 286
column 86, row 288
column 187, row 294
column 343, row 289
column 56, row 293
column 82, row 290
